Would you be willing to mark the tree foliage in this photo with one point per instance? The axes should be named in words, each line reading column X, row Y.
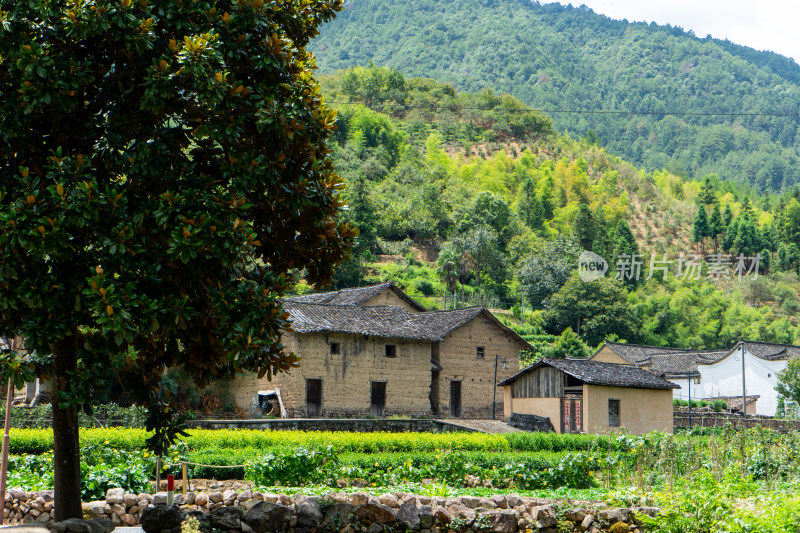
column 552, row 56
column 162, row 169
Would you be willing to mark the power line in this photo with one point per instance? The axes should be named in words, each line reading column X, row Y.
column 456, row 109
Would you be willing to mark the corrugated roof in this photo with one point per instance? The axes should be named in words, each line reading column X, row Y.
column 597, row 373
column 355, row 296
column 634, row 353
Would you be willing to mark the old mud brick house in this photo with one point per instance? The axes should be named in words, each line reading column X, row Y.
column 394, row 358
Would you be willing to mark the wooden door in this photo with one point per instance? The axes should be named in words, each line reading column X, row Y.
column 571, row 415
column 313, row 398
column 455, row 399
column 377, row 402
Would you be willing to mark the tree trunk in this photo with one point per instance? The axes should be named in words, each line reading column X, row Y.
column 66, row 447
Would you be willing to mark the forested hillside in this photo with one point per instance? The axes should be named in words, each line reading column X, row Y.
column 474, row 195
column 559, row 58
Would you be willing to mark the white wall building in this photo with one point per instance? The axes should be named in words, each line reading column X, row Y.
column 762, row 363
column 713, row 374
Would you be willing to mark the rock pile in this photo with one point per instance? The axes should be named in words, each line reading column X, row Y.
column 249, row 512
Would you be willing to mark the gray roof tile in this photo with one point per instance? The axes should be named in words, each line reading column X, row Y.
column 355, row 296
column 597, row 373
column 382, row 321
column 634, row 353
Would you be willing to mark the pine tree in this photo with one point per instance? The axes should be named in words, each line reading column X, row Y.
column 727, row 216
column 700, row 228
column 707, row 195
column 530, row 207
column 764, row 262
column 585, row 227
column 715, row 224
column 625, row 241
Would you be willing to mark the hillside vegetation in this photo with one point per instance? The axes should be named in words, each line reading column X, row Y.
column 494, row 207
column 571, row 59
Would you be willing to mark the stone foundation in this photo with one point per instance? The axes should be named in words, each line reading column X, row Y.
column 255, row 512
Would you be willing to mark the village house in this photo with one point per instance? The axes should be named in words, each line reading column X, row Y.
column 712, row 374
column 579, row 395
column 376, row 352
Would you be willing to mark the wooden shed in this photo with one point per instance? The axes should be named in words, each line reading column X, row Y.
column 583, row 396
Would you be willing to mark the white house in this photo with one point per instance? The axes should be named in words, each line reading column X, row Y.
column 682, row 369
column 762, row 363
column 711, row 374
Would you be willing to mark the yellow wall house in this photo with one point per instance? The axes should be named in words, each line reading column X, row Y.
column 583, row 396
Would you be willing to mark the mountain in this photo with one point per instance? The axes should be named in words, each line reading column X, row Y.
column 473, row 197
column 576, row 66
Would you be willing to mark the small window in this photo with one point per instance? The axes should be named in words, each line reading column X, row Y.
column 613, row 413
column 391, row 350
column 335, row 347
column 479, row 352
column 697, row 381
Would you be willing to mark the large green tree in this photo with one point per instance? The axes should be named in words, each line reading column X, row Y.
column 596, row 310
column 163, row 168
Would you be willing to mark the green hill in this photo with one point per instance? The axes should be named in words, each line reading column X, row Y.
column 559, row 58
column 474, row 196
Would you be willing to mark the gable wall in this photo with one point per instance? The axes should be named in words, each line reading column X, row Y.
column 640, row 410
column 607, row 355
column 457, row 355
column 389, row 297
column 347, row 376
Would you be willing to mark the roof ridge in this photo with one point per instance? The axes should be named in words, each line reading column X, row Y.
column 352, row 306
column 647, row 346
column 768, row 343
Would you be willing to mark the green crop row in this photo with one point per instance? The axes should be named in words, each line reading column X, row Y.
column 41, row 440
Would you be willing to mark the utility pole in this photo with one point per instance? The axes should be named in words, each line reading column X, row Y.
column 744, row 385
column 494, row 383
column 690, row 401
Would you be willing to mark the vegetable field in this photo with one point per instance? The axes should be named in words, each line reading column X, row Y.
column 726, row 480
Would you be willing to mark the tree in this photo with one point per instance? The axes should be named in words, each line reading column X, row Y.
column 707, row 194
column 700, row 228
column 596, row 310
column 715, row 227
column 727, row 216
column 585, row 227
column 625, row 242
column 163, row 169
column 447, row 266
column 788, row 386
column 545, row 272
column 529, row 207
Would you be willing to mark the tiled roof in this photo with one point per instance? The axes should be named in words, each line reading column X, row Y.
column 634, row 353
column 356, row 296
column 770, row 351
column 381, row 321
column 735, row 402
column 597, row 373
column 675, row 365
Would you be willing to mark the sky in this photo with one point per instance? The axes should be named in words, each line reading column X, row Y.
column 760, row 24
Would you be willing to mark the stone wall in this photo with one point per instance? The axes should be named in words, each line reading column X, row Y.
column 531, row 423
column 710, row 419
column 254, row 512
